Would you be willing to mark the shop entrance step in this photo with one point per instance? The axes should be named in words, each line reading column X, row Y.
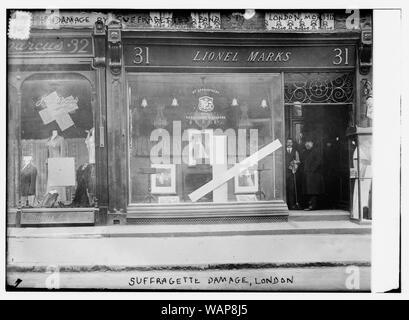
column 318, row 215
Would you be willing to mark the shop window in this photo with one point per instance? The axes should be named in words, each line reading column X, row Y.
column 361, row 177
column 57, row 145
column 185, row 130
column 12, row 148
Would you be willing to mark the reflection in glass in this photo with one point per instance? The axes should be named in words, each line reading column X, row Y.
column 198, row 126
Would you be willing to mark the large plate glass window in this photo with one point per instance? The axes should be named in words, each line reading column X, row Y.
column 361, row 177
column 57, row 166
column 187, row 129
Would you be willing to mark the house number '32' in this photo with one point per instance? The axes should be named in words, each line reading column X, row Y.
column 141, row 55
column 341, row 56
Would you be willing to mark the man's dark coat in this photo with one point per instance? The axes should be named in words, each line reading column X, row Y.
column 313, row 182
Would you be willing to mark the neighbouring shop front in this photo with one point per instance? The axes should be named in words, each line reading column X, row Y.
column 114, row 122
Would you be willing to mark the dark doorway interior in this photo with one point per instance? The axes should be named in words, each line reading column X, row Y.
column 326, row 126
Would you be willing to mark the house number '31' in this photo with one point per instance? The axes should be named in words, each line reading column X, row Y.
column 141, row 55
column 341, row 56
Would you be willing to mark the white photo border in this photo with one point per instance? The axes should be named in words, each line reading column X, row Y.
column 164, row 190
column 248, row 189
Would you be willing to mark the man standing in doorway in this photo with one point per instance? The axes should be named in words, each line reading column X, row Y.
column 313, row 182
column 292, row 160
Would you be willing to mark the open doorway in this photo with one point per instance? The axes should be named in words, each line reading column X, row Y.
column 326, row 126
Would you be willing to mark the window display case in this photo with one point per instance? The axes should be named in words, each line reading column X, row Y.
column 361, row 175
column 53, row 110
column 57, row 142
column 187, row 129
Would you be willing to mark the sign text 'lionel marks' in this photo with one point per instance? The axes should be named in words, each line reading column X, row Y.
column 158, row 55
column 55, row 45
column 233, row 56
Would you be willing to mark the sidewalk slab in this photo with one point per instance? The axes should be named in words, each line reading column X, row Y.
column 192, row 230
column 183, row 251
column 315, row 254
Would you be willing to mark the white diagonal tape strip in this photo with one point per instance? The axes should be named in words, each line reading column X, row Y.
column 235, row 170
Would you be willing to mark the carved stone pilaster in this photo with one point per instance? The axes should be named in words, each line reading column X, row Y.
column 100, row 107
column 99, row 38
column 365, row 52
column 116, row 119
column 114, row 47
column 13, row 144
column 17, row 125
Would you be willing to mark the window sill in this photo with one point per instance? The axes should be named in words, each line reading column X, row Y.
column 192, row 210
column 36, row 217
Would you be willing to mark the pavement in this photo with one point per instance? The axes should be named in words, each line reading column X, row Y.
column 300, row 222
column 295, row 255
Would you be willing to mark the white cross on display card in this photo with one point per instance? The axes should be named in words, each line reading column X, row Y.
column 46, row 116
column 64, row 121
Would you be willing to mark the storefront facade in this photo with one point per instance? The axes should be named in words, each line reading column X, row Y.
column 140, row 119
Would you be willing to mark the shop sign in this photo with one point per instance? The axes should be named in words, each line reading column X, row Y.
column 168, row 20
column 204, row 114
column 239, row 56
column 203, row 20
column 52, row 46
column 55, row 19
column 299, row 21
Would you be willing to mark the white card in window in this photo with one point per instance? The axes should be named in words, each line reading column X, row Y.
column 46, row 116
column 246, row 197
column 69, row 104
column 64, row 121
column 168, row 199
column 54, row 109
column 61, row 172
column 51, row 100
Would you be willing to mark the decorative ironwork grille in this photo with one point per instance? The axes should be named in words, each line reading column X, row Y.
column 319, row 88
